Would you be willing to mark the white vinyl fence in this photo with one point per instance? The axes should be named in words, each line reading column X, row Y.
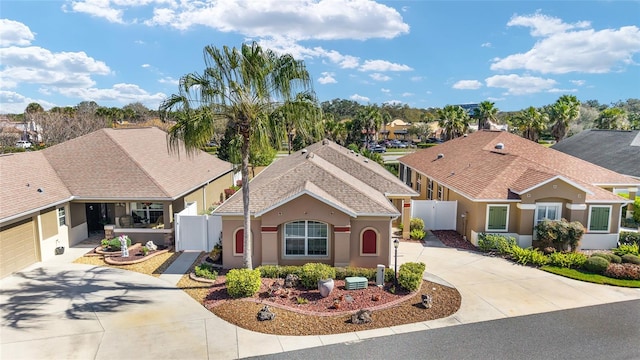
column 196, row 232
column 437, row 215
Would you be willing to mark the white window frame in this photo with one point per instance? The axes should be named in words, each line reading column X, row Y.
column 429, row 189
column 506, row 224
column 418, row 182
column 377, row 241
column 235, row 250
column 440, row 192
column 62, row 216
column 306, row 241
column 608, row 224
column 547, row 204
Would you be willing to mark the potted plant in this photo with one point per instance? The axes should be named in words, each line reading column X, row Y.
column 216, row 252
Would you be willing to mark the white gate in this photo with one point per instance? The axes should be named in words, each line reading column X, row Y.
column 196, row 232
column 437, row 215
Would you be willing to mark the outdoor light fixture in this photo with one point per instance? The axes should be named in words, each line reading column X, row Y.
column 396, row 243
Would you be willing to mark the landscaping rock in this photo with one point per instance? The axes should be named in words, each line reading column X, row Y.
column 291, row 281
column 151, row 246
column 361, row 317
column 265, row 314
column 426, row 301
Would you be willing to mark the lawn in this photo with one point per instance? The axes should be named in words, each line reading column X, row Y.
column 589, row 277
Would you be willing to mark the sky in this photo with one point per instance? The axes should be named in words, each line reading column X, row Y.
column 420, row 53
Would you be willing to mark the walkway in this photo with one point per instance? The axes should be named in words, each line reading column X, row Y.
column 63, row 310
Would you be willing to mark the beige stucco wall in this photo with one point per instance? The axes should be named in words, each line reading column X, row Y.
column 206, row 196
column 383, row 230
column 229, row 227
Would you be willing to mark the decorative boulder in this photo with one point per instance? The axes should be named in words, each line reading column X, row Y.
column 265, row 314
column 291, row 281
column 361, row 317
column 151, row 246
column 426, row 301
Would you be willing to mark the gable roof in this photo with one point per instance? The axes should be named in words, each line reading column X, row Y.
column 476, row 167
column 615, row 150
column 328, row 172
column 28, row 183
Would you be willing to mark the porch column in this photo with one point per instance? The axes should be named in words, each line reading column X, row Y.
column 406, row 218
column 342, row 246
column 269, row 245
column 630, row 207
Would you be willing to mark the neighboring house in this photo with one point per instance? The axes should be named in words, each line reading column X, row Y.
column 616, row 150
column 124, row 181
column 506, row 184
column 324, row 204
column 397, row 129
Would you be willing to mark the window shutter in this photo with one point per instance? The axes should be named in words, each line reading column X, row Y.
column 369, row 240
column 240, row 241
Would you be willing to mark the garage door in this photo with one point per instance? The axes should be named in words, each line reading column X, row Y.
column 18, row 247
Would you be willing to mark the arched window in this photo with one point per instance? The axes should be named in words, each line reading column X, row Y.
column 306, row 238
column 369, row 242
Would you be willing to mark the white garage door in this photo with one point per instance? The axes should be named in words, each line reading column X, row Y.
column 18, row 247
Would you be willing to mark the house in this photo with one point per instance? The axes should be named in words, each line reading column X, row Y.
column 323, row 203
column 506, row 184
column 121, row 181
column 396, row 129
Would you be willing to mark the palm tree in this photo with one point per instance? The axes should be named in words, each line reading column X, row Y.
column 611, row 119
column 244, row 88
column 454, row 121
column 530, row 122
column 484, row 112
column 565, row 110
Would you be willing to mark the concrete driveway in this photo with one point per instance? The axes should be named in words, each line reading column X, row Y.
column 58, row 310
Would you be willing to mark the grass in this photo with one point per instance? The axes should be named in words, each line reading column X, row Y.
column 589, row 277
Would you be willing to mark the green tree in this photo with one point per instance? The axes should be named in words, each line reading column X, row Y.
column 565, row 110
column 485, row 112
column 454, row 121
column 243, row 87
column 530, row 122
column 611, row 119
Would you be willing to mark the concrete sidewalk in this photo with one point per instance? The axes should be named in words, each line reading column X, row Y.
column 179, row 267
column 61, row 310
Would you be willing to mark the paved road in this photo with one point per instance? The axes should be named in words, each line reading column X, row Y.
column 610, row 331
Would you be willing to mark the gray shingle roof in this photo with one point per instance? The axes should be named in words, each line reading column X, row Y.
column 326, row 171
column 474, row 167
column 615, row 150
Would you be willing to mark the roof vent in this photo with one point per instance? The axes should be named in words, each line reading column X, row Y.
column 324, row 142
column 304, row 151
column 499, row 146
column 440, row 156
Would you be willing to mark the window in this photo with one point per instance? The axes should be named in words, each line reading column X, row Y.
column 551, row 211
column 599, row 218
column 497, row 217
column 146, row 212
column 440, row 192
column 62, row 216
column 418, row 182
column 369, row 242
column 407, row 177
column 401, row 172
column 429, row 189
column 306, row 238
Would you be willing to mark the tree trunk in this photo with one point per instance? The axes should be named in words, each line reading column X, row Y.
column 248, row 251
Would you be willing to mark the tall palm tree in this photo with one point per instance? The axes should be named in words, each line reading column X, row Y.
column 611, row 119
column 243, row 87
column 565, row 110
column 530, row 122
column 454, row 121
column 485, row 111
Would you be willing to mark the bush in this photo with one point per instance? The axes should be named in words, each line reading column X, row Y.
column 417, row 234
column 560, row 234
column 206, row 271
column 499, row 243
column 416, row 224
column 628, row 237
column 410, row 275
column 573, row 260
column 276, row 271
column 630, row 258
column 613, row 258
column 596, row 264
column 624, row 249
column 243, row 282
column 312, row 272
column 114, row 244
column 368, row 273
column 528, row 256
column 389, row 275
column 623, row 271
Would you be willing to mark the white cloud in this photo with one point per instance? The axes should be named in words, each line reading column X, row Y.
column 416, row 78
column 120, row 93
column 383, row 65
column 487, row 44
column 327, row 78
column 98, row 8
column 146, row 65
column 169, row 80
column 407, row 94
column 578, row 82
column 393, row 102
column 379, row 77
column 519, row 85
column 565, row 48
column 386, row 91
column 562, row 91
column 15, row 33
column 288, row 46
column 467, row 85
column 14, row 103
column 359, row 98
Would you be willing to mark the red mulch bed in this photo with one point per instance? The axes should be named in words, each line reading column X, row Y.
column 451, row 238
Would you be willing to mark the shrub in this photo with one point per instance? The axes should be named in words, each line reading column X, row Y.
column 560, row 234
column 276, row 271
column 611, row 257
column 628, row 237
column 114, row 244
column 623, row 271
column 499, row 243
column 410, row 275
column 368, row 273
column 312, row 272
column 216, row 251
column 243, row 282
column 624, row 249
column 417, row 234
column 630, row 258
column 416, row 224
column 573, row 260
column 528, row 256
column 596, row 264
column 206, row 271
column 389, row 275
